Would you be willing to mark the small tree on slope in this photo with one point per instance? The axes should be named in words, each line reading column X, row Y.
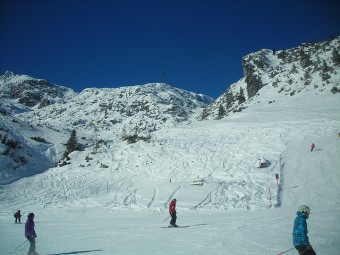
column 72, row 144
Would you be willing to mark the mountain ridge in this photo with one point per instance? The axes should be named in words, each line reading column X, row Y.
column 309, row 68
column 126, row 113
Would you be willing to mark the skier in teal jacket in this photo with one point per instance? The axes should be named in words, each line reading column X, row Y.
column 300, row 237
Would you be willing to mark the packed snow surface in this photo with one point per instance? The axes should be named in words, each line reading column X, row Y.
column 211, row 167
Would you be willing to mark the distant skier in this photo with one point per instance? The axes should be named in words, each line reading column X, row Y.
column 30, row 233
column 172, row 211
column 300, row 238
column 17, row 217
column 312, row 147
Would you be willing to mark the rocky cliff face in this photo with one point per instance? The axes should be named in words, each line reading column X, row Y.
column 127, row 111
column 28, row 92
column 309, row 68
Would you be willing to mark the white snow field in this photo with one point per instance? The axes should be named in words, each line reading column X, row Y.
column 83, row 208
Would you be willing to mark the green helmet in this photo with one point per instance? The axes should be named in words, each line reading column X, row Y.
column 304, row 209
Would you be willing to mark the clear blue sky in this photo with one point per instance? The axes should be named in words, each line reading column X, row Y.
column 199, row 44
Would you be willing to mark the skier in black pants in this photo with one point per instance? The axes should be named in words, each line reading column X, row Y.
column 17, row 217
column 172, row 211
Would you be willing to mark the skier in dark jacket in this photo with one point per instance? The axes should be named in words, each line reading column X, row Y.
column 172, row 211
column 300, row 238
column 17, row 217
column 30, row 233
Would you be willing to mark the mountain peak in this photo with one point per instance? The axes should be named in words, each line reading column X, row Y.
column 312, row 68
column 27, row 92
column 8, row 74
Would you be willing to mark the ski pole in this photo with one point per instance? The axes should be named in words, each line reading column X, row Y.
column 166, row 219
column 286, row 251
column 24, row 247
column 16, row 248
column 20, row 245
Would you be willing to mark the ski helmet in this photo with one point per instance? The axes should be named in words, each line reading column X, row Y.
column 174, row 199
column 304, row 209
column 30, row 215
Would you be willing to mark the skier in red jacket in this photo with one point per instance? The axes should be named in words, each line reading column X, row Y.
column 312, row 147
column 172, row 211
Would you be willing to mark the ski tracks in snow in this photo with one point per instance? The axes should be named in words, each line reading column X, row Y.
column 154, row 197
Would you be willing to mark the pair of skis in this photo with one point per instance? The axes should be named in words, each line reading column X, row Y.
column 176, row 227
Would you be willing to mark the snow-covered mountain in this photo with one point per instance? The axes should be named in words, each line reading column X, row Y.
column 142, row 148
column 23, row 150
column 269, row 75
column 22, row 93
column 38, row 116
column 134, row 110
